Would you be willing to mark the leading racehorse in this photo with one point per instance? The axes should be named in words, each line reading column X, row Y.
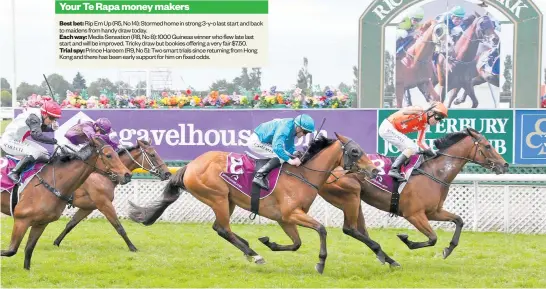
column 44, row 198
column 288, row 203
column 422, row 198
column 97, row 192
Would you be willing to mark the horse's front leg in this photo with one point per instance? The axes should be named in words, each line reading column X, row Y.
column 106, row 207
column 452, row 95
column 470, row 92
column 446, row 216
column 20, row 227
column 354, row 225
column 420, row 222
column 299, row 217
column 76, row 219
column 292, row 231
column 35, row 233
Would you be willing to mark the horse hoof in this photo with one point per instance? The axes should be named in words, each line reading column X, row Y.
column 319, row 267
column 256, row 259
column 403, row 237
column 7, row 253
column 446, row 252
column 133, row 249
column 259, row 260
column 264, row 240
column 395, row 264
column 56, row 244
column 381, row 257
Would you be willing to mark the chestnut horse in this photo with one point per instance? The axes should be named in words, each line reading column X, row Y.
column 97, row 192
column 423, row 197
column 288, row 204
column 44, row 198
column 415, row 67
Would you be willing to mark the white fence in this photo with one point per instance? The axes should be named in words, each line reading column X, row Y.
column 483, row 207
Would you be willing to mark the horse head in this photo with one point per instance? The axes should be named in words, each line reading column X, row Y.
column 478, row 151
column 439, row 33
column 109, row 161
column 354, row 159
column 485, row 154
column 485, row 29
column 144, row 155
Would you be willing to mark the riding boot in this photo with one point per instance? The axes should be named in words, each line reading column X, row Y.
column 261, row 175
column 394, row 172
column 14, row 174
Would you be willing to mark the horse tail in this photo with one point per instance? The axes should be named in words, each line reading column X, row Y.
column 148, row 215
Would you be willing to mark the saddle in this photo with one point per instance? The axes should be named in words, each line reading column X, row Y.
column 240, row 171
column 7, row 163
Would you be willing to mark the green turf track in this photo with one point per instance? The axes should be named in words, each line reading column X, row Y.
column 193, row 255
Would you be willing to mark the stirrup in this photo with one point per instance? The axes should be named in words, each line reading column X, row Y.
column 14, row 176
column 261, row 182
column 396, row 175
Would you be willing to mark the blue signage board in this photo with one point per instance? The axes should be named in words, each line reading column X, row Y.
column 530, row 136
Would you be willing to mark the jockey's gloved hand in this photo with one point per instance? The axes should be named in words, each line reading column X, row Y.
column 429, row 152
column 298, row 154
column 295, row 162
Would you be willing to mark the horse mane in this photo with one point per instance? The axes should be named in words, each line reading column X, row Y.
column 471, row 21
column 316, row 146
column 121, row 151
column 83, row 154
column 452, row 138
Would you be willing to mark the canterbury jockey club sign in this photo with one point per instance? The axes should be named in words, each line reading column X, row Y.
column 385, row 8
column 496, row 125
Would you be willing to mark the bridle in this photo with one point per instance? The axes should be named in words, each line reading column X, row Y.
column 100, row 151
column 154, row 169
column 349, row 163
column 489, row 164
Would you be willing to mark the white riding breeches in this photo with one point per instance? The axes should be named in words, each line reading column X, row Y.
column 398, row 139
column 263, row 149
column 24, row 148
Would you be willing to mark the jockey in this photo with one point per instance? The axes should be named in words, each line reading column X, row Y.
column 83, row 132
column 275, row 139
column 32, row 122
column 408, row 27
column 407, row 120
column 453, row 19
column 492, row 60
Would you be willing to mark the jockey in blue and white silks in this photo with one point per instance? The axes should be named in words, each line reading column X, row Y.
column 453, row 19
column 275, row 139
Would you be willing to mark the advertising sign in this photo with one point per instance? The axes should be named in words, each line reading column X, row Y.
column 496, row 125
column 186, row 134
column 530, row 137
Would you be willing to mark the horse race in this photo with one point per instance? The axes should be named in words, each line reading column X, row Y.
column 297, row 144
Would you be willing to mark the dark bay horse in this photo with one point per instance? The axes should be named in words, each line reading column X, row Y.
column 415, row 67
column 97, row 192
column 460, row 69
column 44, row 198
column 423, row 197
column 481, row 76
column 288, row 204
